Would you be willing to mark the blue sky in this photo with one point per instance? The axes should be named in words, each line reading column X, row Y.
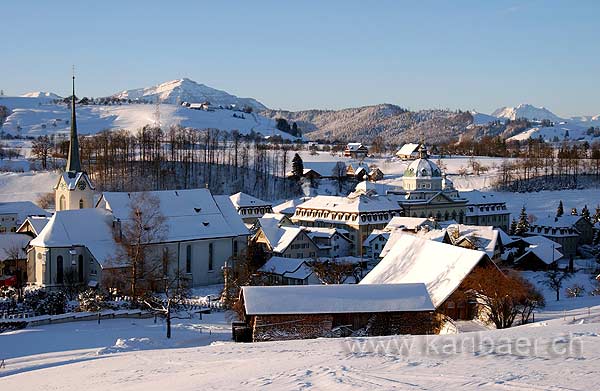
column 315, row 54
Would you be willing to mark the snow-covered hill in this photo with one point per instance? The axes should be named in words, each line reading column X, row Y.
column 38, row 116
column 186, row 90
column 528, row 111
column 41, row 94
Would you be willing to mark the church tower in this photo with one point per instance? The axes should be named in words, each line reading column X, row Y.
column 74, row 189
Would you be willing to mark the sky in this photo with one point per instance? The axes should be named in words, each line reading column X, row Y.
column 294, row 55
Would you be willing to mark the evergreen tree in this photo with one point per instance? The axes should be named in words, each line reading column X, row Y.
column 596, row 216
column 294, row 129
column 585, row 212
column 574, row 212
column 297, row 166
column 560, row 211
column 523, row 224
column 513, row 226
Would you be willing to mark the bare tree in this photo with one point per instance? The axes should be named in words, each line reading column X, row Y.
column 136, row 236
column 332, row 272
column 40, row 149
column 339, row 173
column 554, row 280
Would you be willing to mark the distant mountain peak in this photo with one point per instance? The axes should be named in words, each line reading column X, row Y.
column 41, row 94
column 186, row 90
column 526, row 110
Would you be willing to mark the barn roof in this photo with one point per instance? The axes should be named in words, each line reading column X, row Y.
column 442, row 267
column 335, row 299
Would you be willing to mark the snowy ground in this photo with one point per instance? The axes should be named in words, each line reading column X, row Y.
column 556, row 354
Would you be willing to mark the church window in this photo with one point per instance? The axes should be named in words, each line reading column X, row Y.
column 59, row 270
column 61, row 203
column 188, row 259
column 80, row 267
column 80, row 204
column 210, row 256
column 235, row 248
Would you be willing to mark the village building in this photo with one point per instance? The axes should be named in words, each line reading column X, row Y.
column 441, row 267
column 33, row 225
column 374, row 244
column 375, row 174
column 568, row 231
column 532, row 253
column 274, row 313
column 482, row 238
column 288, row 271
column 486, row 209
column 331, row 242
column 288, row 208
column 358, row 213
column 13, row 214
column 13, row 258
column 357, row 171
column 409, row 151
column 250, row 208
column 426, row 192
column 356, row 151
column 286, row 241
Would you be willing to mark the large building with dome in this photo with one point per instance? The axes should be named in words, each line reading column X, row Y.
column 426, row 192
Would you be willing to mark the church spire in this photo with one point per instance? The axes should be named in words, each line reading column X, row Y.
column 73, row 163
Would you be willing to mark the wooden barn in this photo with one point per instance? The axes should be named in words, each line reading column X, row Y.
column 312, row 311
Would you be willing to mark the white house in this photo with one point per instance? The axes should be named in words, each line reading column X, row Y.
column 408, row 151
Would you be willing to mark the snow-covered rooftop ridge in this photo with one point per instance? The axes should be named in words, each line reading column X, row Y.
column 352, row 204
column 23, row 209
column 243, row 200
column 190, row 214
column 331, row 299
column 37, row 223
column 279, row 237
column 545, row 253
column 538, row 240
column 476, row 197
column 289, row 207
column 442, row 267
column 565, row 221
column 408, row 149
column 410, row 223
column 483, row 237
column 287, row 267
column 186, row 90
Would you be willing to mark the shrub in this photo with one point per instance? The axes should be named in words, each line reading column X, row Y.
column 575, row 291
column 43, row 302
column 94, row 300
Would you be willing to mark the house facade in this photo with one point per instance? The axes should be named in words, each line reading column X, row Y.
column 485, row 209
column 356, row 150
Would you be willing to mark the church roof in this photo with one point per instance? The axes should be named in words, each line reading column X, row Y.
column 88, row 227
column 423, row 167
column 73, row 162
column 190, row 214
column 72, row 179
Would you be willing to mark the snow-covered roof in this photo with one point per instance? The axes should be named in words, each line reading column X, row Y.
column 289, row 207
column 10, row 241
column 335, row 299
column 359, row 203
column 243, row 200
column 442, row 267
column 353, row 147
column 37, row 223
column 395, row 234
column 476, row 197
column 90, row 227
column 408, row 149
column 280, row 237
column 423, row 168
column 504, row 237
column 374, row 234
column 22, row 209
column 71, row 180
column 231, row 216
column 189, row 214
column 545, row 253
column 410, row 223
column 485, row 238
column 287, row 267
column 538, row 240
column 566, row 221
column 321, row 232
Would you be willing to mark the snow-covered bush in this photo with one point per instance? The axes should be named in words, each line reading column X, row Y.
column 94, row 300
column 8, row 293
column 575, row 291
column 45, row 303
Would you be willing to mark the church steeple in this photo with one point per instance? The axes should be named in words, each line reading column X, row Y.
column 73, row 163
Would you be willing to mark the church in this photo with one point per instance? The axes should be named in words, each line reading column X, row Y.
column 80, row 244
column 427, row 192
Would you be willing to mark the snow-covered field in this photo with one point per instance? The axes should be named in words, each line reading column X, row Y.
column 561, row 353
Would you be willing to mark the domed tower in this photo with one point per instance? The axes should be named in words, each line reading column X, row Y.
column 422, row 174
column 74, row 189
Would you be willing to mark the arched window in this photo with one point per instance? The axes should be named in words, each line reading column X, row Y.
column 188, row 258
column 62, row 203
column 59, row 270
column 210, row 256
column 80, row 204
column 80, row 267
